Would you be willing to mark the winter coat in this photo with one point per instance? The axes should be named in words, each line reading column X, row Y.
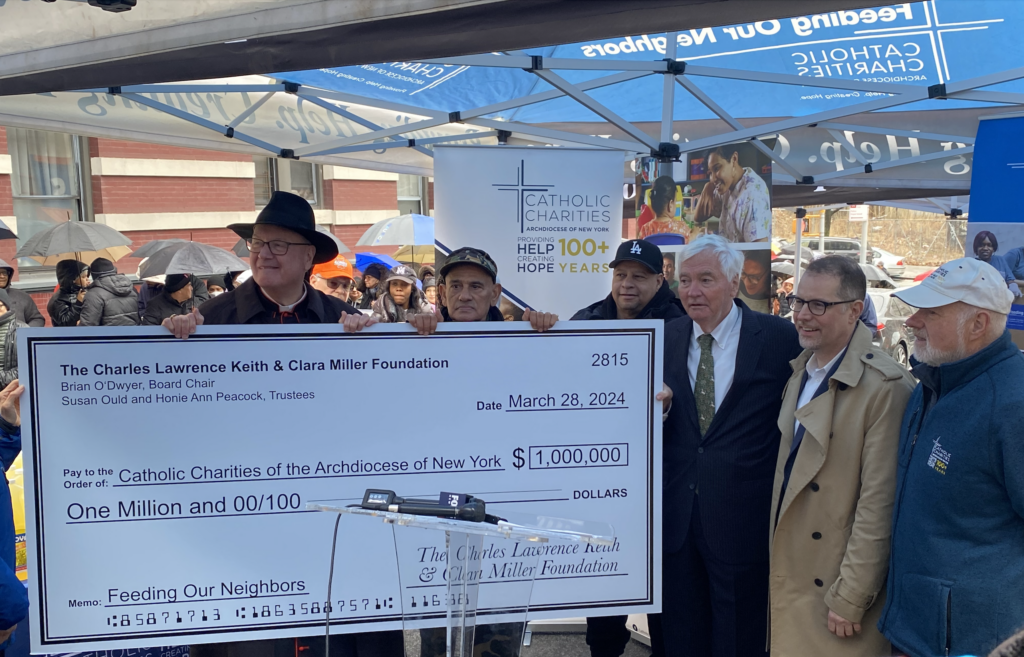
column 13, row 594
column 163, row 306
column 830, row 547
column 8, row 349
column 64, row 308
column 387, row 311
column 24, row 306
column 247, row 305
column 956, row 572
column 663, row 305
column 111, row 300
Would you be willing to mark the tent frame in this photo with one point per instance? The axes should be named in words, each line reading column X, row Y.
column 681, row 73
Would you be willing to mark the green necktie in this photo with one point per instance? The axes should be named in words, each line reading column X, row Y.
column 704, row 387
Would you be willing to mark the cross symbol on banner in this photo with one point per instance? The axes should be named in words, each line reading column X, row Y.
column 521, row 188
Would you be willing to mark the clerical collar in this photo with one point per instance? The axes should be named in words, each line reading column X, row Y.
column 285, row 309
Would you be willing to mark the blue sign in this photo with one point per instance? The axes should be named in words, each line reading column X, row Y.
column 920, row 44
column 998, row 171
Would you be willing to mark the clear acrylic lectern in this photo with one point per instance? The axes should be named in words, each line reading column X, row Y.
column 483, row 566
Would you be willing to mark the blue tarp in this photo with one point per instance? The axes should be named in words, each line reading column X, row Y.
column 921, row 44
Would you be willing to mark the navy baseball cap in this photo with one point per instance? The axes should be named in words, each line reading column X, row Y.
column 640, row 251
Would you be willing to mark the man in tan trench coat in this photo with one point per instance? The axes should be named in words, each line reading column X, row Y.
column 836, row 475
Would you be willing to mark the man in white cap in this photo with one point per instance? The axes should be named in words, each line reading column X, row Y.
column 956, row 568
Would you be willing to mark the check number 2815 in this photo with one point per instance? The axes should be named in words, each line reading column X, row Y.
column 610, row 360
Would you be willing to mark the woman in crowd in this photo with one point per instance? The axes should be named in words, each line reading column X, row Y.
column 372, row 287
column 402, row 298
column 8, row 340
column 985, row 247
column 430, row 290
column 65, row 306
column 785, row 289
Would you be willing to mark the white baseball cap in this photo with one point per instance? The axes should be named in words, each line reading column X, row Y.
column 970, row 280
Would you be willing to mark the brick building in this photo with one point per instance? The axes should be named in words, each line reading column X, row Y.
column 149, row 192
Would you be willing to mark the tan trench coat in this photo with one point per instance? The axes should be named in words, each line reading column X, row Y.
column 830, row 548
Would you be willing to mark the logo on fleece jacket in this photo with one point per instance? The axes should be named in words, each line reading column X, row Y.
column 939, row 458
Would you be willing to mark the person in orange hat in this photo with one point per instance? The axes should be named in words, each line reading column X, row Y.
column 333, row 278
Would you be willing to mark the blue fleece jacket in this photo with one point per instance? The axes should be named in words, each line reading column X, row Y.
column 956, row 575
column 13, row 596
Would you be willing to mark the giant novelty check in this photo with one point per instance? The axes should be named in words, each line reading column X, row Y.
column 167, row 480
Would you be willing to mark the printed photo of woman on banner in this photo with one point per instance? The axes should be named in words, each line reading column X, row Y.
column 724, row 191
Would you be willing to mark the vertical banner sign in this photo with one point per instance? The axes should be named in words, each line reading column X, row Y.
column 550, row 217
column 995, row 232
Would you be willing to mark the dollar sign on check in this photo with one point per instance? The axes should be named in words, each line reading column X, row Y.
column 519, row 462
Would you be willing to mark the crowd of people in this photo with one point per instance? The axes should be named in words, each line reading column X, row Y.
column 819, row 499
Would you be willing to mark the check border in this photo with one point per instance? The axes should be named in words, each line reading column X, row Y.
column 34, row 342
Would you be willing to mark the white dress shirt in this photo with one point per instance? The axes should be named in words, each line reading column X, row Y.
column 815, row 375
column 724, row 344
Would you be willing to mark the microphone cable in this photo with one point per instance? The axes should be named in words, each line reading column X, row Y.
column 330, row 581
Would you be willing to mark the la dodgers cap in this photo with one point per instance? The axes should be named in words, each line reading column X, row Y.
column 970, row 280
column 640, row 251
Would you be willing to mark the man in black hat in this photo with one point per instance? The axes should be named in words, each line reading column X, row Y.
column 639, row 288
column 283, row 247
column 175, row 299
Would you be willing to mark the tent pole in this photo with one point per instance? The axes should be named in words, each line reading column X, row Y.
column 798, row 261
column 864, row 239
column 668, row 91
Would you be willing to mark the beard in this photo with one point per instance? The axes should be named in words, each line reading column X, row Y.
column 929, row 355
column 935, row 357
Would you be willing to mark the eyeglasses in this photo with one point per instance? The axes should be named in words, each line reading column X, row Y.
column 339, row 283
column 753, row 278
column 277, row 247
column 815, row 306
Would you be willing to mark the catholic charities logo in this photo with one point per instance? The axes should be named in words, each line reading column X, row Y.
column 938, row 460
column 542, row 206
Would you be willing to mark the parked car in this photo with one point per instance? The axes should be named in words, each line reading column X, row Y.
column 892, row 264
column 893, row 334
column 844, row 246
column 787, row 253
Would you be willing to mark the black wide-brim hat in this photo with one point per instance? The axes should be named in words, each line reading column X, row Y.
column 294, row 213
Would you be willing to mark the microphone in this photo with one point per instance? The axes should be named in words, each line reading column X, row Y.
column 457, row 506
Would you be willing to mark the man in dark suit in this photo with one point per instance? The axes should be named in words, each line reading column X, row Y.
column 725, row 369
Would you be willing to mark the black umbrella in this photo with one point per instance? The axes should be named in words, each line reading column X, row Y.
column 783, row 267
column 241, row 249
column 6, row 233
column 191, row 258
column 150, row 248
column 75, row 240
